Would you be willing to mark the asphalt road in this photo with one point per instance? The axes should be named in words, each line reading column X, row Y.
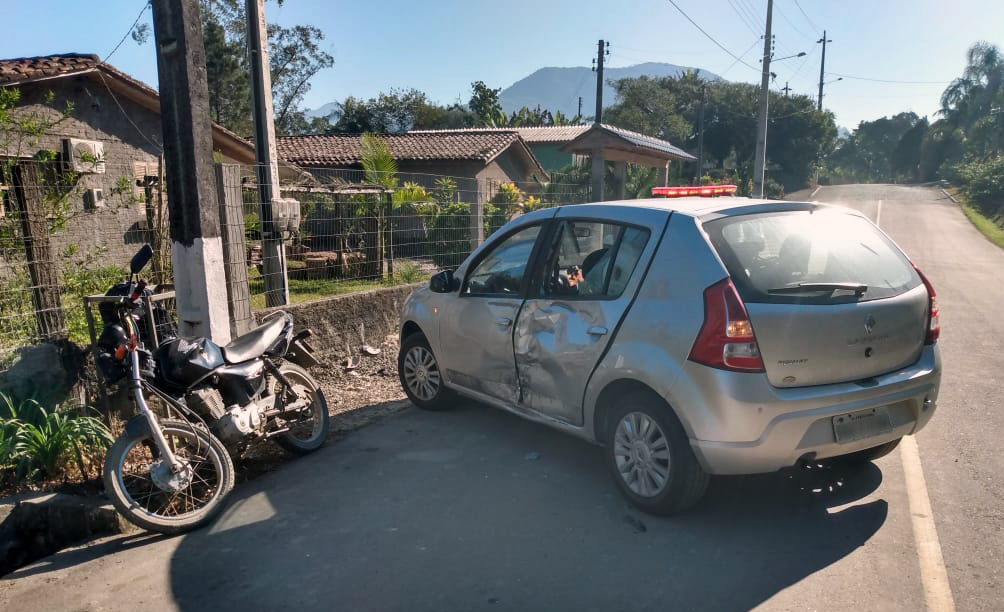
column 475, row 509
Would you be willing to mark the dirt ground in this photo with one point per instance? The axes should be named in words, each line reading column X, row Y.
column 358, row 393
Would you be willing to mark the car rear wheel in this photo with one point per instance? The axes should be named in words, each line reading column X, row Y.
column 650, row 456
column 421, row 379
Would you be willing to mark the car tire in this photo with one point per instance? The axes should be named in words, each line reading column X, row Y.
column 646, row 444
column 421, row 378
column 871, row 454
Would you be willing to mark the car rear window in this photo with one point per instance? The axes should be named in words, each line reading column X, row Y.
column 810, row 257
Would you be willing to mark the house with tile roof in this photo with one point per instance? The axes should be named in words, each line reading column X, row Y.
column 558, row 146
column 479, row 160
column 115, row 120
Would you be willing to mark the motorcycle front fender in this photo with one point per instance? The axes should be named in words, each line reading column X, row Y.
column 138, row 427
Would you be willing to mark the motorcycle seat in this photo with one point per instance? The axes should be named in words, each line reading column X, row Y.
column 255, row 342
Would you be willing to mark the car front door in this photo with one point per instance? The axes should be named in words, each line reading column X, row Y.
column 590, row 272
column 476, row 332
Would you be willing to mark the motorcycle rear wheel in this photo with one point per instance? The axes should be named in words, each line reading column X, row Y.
column 309, row 433
column 149, row 496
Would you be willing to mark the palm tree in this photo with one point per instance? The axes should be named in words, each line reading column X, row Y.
column 970, row 102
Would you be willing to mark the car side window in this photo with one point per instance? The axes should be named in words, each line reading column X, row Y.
column 501, row 271
column 591, row 259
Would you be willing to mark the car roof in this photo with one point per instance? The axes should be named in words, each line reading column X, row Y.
column 713, row 208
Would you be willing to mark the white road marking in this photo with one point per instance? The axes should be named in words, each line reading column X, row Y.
column 933, row 575
column 813, row 194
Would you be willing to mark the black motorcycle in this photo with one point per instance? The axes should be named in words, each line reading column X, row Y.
column 170, row 472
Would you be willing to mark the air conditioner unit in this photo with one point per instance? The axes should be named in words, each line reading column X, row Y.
column 84, row 156
column 94, row 199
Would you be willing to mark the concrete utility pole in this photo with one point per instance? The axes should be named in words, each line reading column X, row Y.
column 598, row 165
column 786, row 89
column 273, row 253
column 700, row 140
column 760, row 160
column 601, row 53
column 822, row 65
column 196, row 246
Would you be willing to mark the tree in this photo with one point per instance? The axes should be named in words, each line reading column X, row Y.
column 968, row 102
column 295, row 57
column 397, row 112
column 485, row 105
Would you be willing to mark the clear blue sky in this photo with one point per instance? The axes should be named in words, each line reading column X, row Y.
column 442, row 46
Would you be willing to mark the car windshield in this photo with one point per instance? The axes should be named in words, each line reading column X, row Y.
column 810, row 257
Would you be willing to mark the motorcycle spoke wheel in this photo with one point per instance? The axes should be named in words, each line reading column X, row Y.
column 149, row 494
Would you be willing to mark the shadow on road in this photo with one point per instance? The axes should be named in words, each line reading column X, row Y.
column 475, row 509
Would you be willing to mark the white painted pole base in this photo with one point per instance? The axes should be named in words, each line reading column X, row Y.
column 201, row 289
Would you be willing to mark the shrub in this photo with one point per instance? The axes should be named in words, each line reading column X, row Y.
column 40, row 443
column 407, row 272
column 982, row 182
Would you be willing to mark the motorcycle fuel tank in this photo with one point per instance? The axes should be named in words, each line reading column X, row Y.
column 184, row 361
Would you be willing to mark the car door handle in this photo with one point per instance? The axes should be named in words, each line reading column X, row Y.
column 503, row 322
column 597, row 330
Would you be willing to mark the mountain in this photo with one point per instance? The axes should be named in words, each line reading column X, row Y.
column 559, row 88
column 322, row 111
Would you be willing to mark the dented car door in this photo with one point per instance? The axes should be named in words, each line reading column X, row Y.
column 586, row 283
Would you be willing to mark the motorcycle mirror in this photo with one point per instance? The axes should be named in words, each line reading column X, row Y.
column 140, row 259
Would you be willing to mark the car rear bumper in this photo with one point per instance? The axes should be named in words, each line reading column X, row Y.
column 800, row 424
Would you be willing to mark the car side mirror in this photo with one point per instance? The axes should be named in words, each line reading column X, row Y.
column 444, row 282
column 140, row 259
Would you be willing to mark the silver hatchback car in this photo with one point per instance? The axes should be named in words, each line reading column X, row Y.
column 689, row 337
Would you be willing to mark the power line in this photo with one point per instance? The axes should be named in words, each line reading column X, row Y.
column 732, row 65
column 794, row 27
column 126, row 35
column 811, row 23
column 711, row 38
column 742, row 17
column 859, row 78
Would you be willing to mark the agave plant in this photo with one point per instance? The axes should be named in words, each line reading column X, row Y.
column 38, row 442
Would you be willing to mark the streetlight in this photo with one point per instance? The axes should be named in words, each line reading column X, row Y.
column 760, row 160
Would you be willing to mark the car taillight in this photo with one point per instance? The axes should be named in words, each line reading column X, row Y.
column 933, row 324
column 726, row 340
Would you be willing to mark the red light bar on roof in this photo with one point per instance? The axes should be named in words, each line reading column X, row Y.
column 706, row 191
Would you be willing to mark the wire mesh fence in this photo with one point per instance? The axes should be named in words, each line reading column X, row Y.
column 66, row 235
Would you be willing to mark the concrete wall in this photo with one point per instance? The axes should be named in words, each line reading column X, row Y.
column 342, row 324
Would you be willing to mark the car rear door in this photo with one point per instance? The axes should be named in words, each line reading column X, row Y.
column 477, row 325
column 564, row 328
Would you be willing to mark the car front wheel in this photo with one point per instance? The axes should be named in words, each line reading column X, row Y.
column 421, row 378
column 650, row 456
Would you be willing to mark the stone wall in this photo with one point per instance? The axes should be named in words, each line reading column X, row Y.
column 342, row 324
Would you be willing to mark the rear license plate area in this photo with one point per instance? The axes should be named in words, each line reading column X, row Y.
column 861, row 424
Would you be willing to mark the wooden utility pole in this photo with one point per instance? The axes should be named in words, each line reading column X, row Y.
column 786, row 89
column 760, row 160
column 822, row 66
column 273, row 252
column 41, row 262
column 196, row 247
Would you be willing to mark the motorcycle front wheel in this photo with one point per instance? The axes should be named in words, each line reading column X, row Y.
column 146, row 491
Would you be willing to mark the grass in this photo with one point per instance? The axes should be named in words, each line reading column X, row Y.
column 990, row 228
column 316, row 289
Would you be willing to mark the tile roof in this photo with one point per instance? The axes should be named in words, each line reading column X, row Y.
column 24, row 69
column 30, row 69
column 341, row 149
column 532, row 135
column 650, row 142
column 558, row 134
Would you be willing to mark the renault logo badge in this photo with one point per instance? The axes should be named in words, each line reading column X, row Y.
column 869, row 324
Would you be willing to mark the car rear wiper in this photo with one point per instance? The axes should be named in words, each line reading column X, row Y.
column 858, row 288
